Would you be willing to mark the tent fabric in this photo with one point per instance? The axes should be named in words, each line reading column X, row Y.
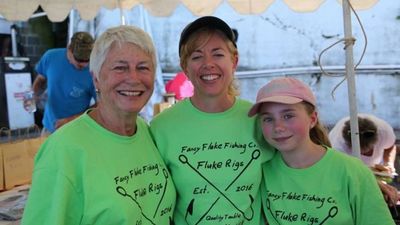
column 58, row 10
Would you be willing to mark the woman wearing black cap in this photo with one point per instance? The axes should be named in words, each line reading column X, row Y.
column 207, row 141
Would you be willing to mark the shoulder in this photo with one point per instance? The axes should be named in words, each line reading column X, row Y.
column 351, row 164
column 175, row 112
column 142, row 124
column 52, row 55
column 245, row 104
column 59, row 144
column 55, row 51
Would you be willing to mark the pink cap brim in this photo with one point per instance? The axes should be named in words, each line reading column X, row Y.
column 278, row 99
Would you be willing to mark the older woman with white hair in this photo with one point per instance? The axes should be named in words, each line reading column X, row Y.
column 103, row 167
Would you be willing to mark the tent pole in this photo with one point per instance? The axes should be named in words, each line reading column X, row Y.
column 121, row 11
column 71, row 25
column 355, row 141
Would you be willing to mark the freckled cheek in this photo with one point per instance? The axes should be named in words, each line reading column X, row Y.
column 193, row 67
column 266, row 130
column 300, row 129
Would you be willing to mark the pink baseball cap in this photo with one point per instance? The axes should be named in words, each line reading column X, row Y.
column 284, row 90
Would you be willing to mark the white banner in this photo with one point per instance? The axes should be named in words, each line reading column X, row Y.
column 16, row 85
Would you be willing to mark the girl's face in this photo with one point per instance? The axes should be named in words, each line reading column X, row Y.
column 211, row 67
column 126, row 79
column 287, row 127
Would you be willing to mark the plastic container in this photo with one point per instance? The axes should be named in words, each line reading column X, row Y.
column 29, row 102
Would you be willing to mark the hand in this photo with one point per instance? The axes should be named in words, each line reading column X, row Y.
column 29, row 101
column 63, row 121
column 389, row 192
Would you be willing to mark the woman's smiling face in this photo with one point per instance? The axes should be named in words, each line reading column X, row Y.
column 211, row 66
column 126, row 79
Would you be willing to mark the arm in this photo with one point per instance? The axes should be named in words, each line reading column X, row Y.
column 370, row 207
column 389, row 155
column 389, row 192
column 39, row 85
column 63, row 121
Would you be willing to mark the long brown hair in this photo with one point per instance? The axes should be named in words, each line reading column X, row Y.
column 319, row 133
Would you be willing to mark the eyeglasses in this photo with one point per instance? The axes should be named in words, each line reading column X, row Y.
column 81, row 60
column 365, row 134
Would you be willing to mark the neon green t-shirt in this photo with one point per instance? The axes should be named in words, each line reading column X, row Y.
column 215, row 161
column 337, row 190
column 85, row 174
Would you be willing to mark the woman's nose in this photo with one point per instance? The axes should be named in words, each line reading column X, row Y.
column 208, row 62
column 132, row 74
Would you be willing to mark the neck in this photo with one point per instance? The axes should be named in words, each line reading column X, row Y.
column 213, row 104
column 124, row 125
column 304, row 157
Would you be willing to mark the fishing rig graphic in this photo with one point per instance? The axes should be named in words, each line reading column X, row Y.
column 184, row 160
column 121, row 190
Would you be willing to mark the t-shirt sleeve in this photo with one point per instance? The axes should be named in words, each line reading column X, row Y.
column 387, row 135
column 53, row 194
column 42, row 64
column 52, row 198
column 366, row 199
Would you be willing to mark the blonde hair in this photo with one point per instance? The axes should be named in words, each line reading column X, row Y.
column 118, row 35
column 199, row 38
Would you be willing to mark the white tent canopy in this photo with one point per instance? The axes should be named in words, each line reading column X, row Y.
column 58, row 10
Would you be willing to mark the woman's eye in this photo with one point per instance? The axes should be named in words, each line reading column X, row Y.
column 288, row 116
column 266, row 119
column 195, row 57
column 143, row 68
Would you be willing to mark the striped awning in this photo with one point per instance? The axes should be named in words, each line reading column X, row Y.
column 58, row 10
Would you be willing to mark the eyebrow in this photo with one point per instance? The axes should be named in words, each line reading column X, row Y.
column 121, row 61
column 139, row 63
column 283, row 111
column 212, row 50
column 216, row 49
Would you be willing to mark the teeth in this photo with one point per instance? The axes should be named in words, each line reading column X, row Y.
column 130, row 93
column 209, row 77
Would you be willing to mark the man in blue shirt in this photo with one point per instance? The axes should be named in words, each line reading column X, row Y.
column 65, row 74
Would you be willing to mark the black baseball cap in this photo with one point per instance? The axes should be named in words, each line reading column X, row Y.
column 211, row 22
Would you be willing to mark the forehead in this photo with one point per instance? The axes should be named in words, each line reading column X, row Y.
column 208, row 36
column 273, row 107
column 126, row 51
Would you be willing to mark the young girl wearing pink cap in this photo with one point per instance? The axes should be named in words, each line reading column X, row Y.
column 308, row 182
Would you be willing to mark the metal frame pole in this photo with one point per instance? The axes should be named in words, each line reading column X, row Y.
column 355, row 141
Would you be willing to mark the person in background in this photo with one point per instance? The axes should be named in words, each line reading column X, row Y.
column 103, row 167
column 308, row 182
column 209, row 144
column 65, row 74
column 181, row 86
column 377, row 147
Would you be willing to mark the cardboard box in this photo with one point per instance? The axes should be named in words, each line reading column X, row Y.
column 1, row 172
column 159, row 107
